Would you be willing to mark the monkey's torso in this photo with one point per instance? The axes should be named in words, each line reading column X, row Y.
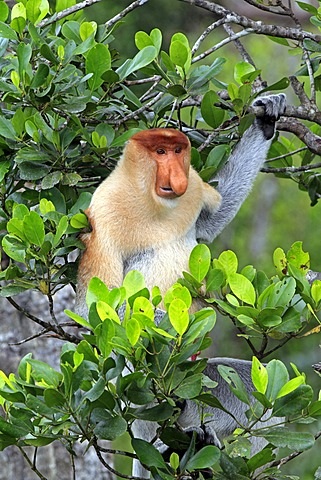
column 135, row 230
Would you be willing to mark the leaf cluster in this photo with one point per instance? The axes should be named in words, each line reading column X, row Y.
column 97, row 396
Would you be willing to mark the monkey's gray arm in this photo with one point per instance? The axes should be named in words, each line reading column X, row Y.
column 236, row 178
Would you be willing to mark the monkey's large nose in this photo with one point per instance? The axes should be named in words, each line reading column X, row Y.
column 178, row 178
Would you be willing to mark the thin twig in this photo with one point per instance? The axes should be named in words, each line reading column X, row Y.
column 292, row 169
column 265, row 8
column 285, row 155
column 137, row 112
column 66, row 12
column 221, row 44
column 28, row 339
column 31, row 465
column 107, row 466
column 119, row 16
column 206, row 32
column 46, row 325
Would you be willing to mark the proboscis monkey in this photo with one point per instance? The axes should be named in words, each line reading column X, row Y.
column 150, row 213
column 154, row 208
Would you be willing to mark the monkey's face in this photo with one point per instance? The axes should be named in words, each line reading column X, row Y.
column 169, row 150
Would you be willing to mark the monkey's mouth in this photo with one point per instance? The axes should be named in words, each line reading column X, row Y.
column 167, row 192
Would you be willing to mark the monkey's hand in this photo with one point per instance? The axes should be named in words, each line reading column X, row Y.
column 205, row 435
column 273, row 107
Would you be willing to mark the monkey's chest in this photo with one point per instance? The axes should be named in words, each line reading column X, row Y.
column 162, row 265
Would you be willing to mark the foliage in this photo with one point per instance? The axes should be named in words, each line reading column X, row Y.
column 96, row 396
column 69, row 102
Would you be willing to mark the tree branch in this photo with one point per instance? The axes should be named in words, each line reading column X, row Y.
column 46, row 325
column 265, row 8
column 123, row 13
column 311, row 140
column 66, row 12
column 257, row 26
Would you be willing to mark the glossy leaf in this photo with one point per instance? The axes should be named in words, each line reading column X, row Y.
column 259, row 376
column 212, row 115
column 204, row 458
column 199, row 261
column 178, row 315
column 242, row 288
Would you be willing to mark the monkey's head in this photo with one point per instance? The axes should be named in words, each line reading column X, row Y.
column 168, row 151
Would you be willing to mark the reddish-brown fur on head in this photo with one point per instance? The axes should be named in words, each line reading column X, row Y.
column 169, row 149
column 161, row 137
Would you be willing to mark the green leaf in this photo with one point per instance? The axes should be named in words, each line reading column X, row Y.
column 14, row 248
column 283, row 437
column 147, row 454
column 259, row 376
column 141, row 60
column 53, row 398
column 291, row 385
column 217, row 155
column 106, row 311
column 112, row 428
column 36, row 10
column 98, row 61
column 133, row 283
column 227, row 262
column 280, row 261
column 297, row 257
column 159, row 413
column 178, row 53
column 79, row 221
column 133, row 331
column 87, row 29
column 260, row 459
column 178, row 315
column 204, row 458
column 235, row 383
column 4, row 11
column 105, row 333
column 41, row 371
column 77, row 318
column 12, row 430
column 294, row 402
column 291, row 321
column 307, row 7
column 97, row 290
column 190, row 387
column 316, row 291
column 215, row 280
column 199, row 261
column 142, row 40
column 282, row 293
column 7, row 32
column 242, row 69
column 41, row 76
column 6, row 127
column 278, row 376
column 4, row 169
column 242, row 288
column 34, row 228
column 212, row 115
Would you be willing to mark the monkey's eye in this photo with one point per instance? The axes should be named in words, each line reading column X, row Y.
column 178, row 150
column 160, row 151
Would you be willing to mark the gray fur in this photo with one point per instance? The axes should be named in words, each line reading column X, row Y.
column 138, row 260
column 217, row 424
column 236, row 178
